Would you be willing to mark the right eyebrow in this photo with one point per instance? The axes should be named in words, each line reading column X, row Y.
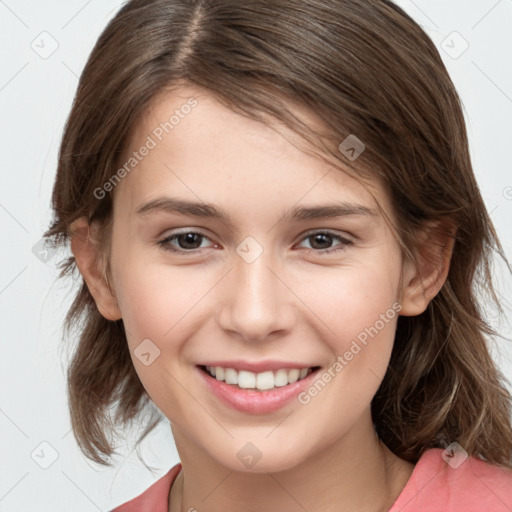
column 173, row 205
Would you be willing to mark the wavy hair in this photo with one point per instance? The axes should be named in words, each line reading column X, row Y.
column 363, row 68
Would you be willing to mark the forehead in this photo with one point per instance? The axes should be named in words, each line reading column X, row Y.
column 201, row 149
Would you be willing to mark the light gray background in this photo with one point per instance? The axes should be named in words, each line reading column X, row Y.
column 36, row 91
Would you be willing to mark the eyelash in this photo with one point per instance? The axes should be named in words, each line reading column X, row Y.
column 166, row 246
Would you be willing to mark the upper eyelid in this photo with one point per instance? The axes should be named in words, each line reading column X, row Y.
column 307, row 234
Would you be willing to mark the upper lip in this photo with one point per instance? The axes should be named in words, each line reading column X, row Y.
column 256, row 366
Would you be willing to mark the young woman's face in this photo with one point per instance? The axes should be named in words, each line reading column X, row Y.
column 277, row 283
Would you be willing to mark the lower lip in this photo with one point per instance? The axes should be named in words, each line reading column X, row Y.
column 256, row 402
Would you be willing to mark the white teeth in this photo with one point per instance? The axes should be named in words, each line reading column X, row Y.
column 293, row 376
column 246, row 380
column 262, row 381
column 281, row 378
column 231, row 376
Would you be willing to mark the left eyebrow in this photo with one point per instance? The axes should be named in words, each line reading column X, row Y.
column 174, row 205
column 331, row 211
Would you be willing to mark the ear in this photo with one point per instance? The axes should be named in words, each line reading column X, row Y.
column 421, row 283
column 91, row 263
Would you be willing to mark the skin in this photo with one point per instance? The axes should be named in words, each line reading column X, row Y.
column 291, row 303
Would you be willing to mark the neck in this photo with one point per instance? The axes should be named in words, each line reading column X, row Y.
column 355, row 472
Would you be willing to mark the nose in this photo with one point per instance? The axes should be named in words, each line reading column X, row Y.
column 256, row 301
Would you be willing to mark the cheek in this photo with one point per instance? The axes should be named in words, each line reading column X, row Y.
column 152, row 306
column 156, row 315
column 146, row 292
column 361, row 311
column 355, row 299
column 165, row 305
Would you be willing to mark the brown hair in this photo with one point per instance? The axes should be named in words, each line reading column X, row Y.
column 363, row 68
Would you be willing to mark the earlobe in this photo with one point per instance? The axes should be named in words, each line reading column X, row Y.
column 422, row 282
column 92, row 266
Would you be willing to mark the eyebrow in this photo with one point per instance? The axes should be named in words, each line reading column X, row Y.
column 208, row 210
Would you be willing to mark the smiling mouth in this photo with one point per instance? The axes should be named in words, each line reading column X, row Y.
column 263, row 381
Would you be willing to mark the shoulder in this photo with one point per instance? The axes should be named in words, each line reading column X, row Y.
column 154, row 498
column 467, row 484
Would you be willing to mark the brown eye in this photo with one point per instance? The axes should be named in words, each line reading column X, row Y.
column 321, row 242
column 187, row 241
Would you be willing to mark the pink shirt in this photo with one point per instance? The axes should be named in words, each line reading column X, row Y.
column 434, row 486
